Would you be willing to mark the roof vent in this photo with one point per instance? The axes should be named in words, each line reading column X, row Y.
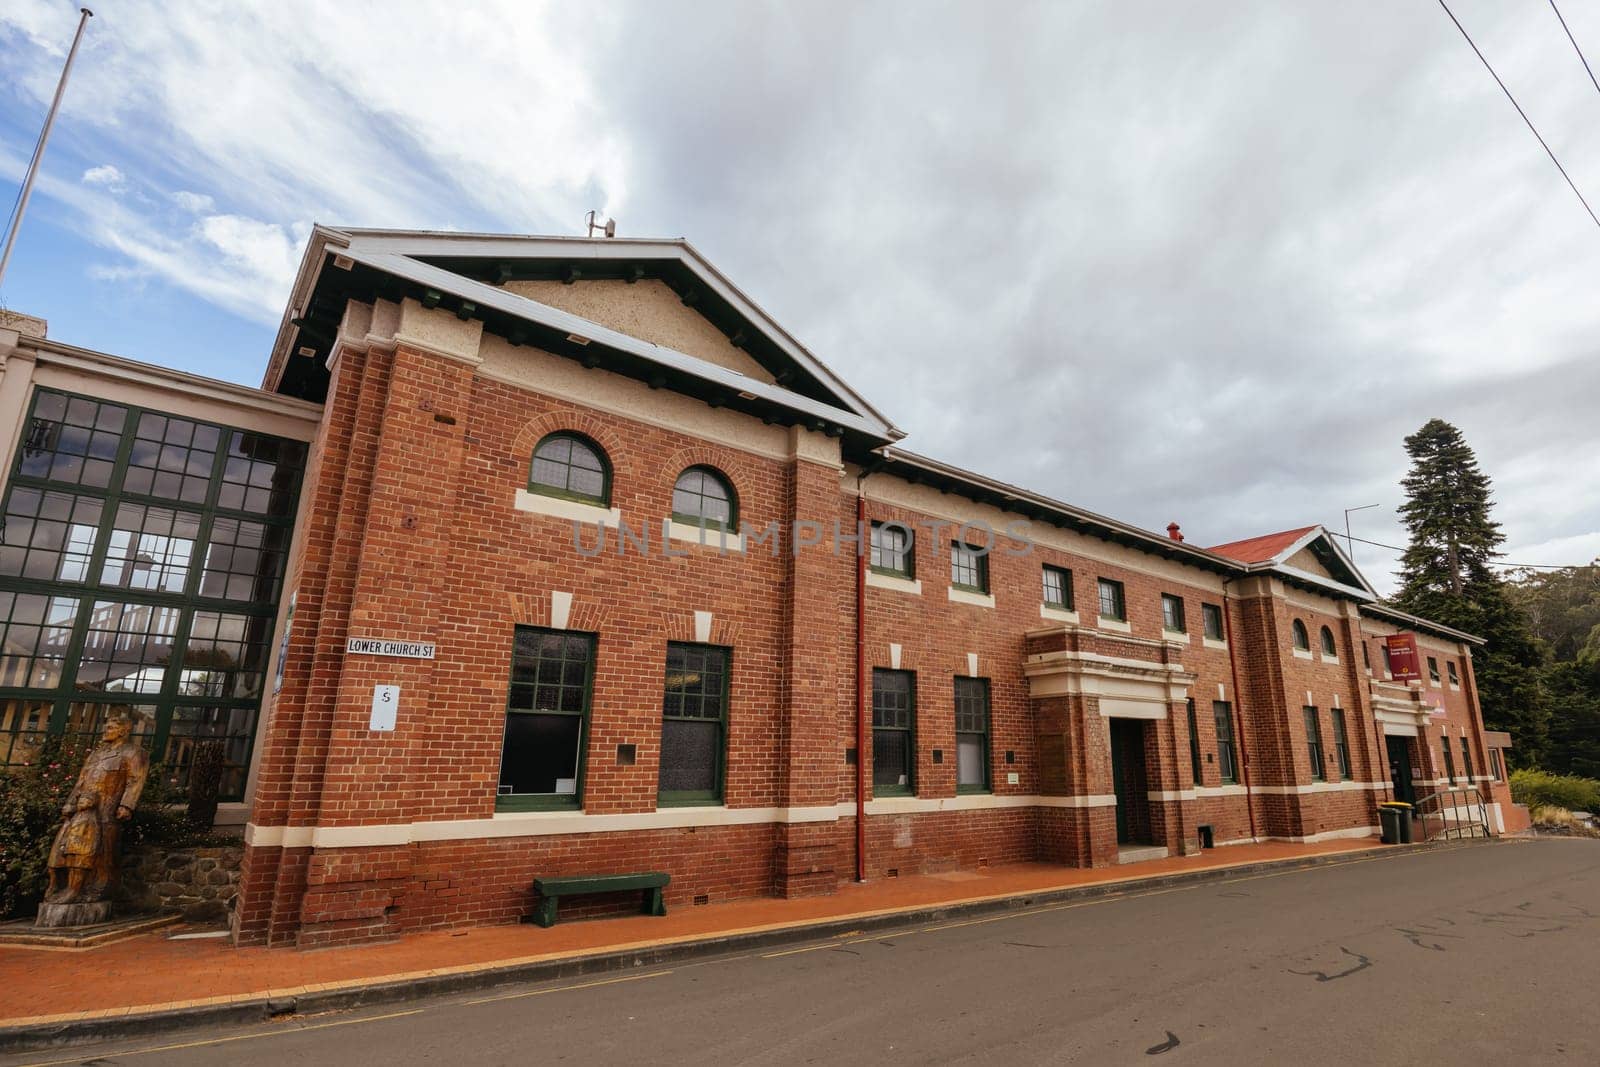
column 306, row 351
column 343, row 262
column 577, row 339
column 1173, row 531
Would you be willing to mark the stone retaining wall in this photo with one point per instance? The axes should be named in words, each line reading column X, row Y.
column 200, row 883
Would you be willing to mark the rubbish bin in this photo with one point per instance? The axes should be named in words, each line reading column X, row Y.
column 1389, row 820
column 1395, row 818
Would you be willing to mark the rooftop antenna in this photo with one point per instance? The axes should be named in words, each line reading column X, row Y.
column 44, row 137
column 593, row 219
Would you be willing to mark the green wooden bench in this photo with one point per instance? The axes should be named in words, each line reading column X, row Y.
column 551, row 890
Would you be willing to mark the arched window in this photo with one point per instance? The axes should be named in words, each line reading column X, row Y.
column 1302, row 640
column 703, row 497
column 573, row 467
column 1328, row 648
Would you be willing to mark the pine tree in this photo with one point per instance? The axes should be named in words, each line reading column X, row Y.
column 1446, row 575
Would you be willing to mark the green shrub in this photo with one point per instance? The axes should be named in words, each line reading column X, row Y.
column 30, row 813
column 1541, row 788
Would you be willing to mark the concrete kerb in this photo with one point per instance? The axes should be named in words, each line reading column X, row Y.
column 267, row 1006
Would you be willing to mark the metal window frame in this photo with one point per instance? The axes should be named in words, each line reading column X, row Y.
column 603, row 500
column 1175, row 602
column 910, row 729
column 1065, row 574
column 716, row 794
column 984, row 689
column 705, row 521
column 973, row 558
column 907, row 554
column 549, row 801
column 187, row 603
column 1119, row 598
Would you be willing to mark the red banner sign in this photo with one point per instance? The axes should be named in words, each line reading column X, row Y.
column 1405, row 662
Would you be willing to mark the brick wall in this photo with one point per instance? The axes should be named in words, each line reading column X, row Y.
column 414, row 533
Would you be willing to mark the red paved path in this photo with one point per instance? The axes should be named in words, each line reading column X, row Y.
column 152, row 972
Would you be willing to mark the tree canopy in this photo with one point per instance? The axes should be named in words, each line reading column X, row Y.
column 1447, row 575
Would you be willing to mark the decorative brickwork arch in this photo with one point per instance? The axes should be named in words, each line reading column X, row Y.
column 536, row 609
column 726, row 462
column 572, row 420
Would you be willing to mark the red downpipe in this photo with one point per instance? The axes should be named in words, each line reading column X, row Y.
column 861, row 689
column 1238, row 710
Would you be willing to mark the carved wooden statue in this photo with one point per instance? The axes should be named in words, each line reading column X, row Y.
column 83, row 859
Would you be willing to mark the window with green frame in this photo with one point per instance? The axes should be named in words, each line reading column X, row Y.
column 1057, row 587
column 1227, row 765
column 1341, row 743
column 969, row 567
column 141, row 561
column 1172, row 619
column 572, row 467
column 1194, row 742
column 1113, row 603
column 694, row 724
column 893, row 550
column 894, row 718
column 703, row 496
column 972, row 735
column 1314, row 744
column 547, row 715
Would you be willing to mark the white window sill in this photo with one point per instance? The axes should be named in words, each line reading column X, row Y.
column 1433, row 684
column 1114, row 625
column 554, row 506
column 1330, row 659
column 1454, row 688
column 721, row 540
column 1211, row 642
column 1058, row 614
column 1301, row 653
column 1180, row 636
column 962, row 596
column 899, row 585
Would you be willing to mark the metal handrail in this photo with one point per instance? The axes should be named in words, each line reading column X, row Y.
column 1458, row 796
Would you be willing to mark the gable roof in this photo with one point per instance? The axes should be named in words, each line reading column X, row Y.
column 466, row 273
column 1272, row 552
column 1275, row 546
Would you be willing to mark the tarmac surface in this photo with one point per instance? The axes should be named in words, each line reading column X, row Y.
column 1476, row 954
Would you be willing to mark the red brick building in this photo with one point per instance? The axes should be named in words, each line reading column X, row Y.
column 595, row 568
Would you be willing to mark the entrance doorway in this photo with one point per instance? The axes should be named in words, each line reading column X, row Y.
column 1129, row 780
column 1400, row 768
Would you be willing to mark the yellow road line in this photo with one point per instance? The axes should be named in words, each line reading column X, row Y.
column 564, row 988
column 281, row 1031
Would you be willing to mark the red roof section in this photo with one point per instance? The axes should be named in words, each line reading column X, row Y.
column 1260, row 549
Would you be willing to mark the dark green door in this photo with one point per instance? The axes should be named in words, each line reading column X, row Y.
column 1400, row 768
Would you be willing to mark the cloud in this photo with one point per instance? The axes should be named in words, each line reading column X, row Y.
column 194, row 203
column 106, row 176
column 1199, row 263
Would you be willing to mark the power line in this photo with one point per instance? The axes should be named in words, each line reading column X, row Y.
column 1521, row 112
column 1492, row 562
column 1575, row 48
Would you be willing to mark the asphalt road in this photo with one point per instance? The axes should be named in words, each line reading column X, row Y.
column 1485, row 953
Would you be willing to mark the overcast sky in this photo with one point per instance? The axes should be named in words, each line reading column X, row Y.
column 1169, row 261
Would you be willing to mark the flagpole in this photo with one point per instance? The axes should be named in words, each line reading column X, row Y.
column 44, row 136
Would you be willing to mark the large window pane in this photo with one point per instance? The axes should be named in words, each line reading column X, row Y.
column 694, row 711
column 150, row 548
column 23, row 726
column 261, row 474
column 35, row 632
column 244, row 560
column 972, row 733
column 128, row 648
column 48, row 535
column 172, row 458
column 234, row 727
column 893, row 715
column 86, row 721
column 541, row 755
column 226, row 655
column 72, row 440
column 546, row 706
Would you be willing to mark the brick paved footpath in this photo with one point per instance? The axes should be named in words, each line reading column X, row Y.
column 154, row 973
